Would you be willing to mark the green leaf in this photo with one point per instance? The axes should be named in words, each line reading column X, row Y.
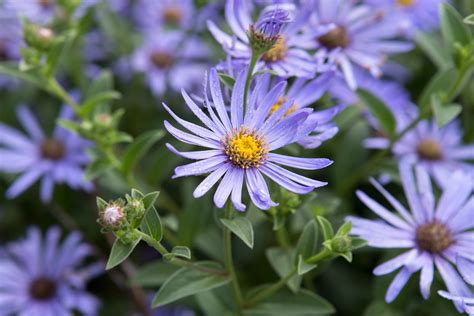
column 326, row 227
column 103, row 83
column 138, row 148
column 153, row 274
column 358, row 243
column 120, row 251
column 453, row 28
column 439, row 84
column 444, row 113
column 283, row 263
column 216, row 302
column 179, row 251
column 137, row 194
column 284, row 303
column 151, row 224
column 150, row 199
column 345, row 229
column 347, row 255
column 469, row 19
column 30, row 77
column 227, row 80
column 90, row 104
column 186, row 282
column 308, row 241
column 304, row 267
column 96, row 168
column 69, row 125
column 241, row 227
column 101, row 204
column 433, row 46
column 381, row 112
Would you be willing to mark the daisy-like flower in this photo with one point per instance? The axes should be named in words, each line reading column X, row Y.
column 438, row 150
column 10, row 43
column 239, row 147
column 350, row 33
column 42, row 276
column 170, row 13
column 301, row 94
column 410, row 15
column 432, row 234
column 286, row 57
column 171, row 58
column 60, row 158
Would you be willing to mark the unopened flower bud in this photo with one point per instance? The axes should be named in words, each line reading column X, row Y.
column 266, row 32
column 112, row 215
column 341, row 244
column 38, row 37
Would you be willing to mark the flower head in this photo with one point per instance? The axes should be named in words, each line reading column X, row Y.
column 438, row 150
column 41, row 276
column 60, row 158
column 239, row 147
column 349, row 34
column 164, row 13
column 170, row 58
column 287, row 57
column 431, row 233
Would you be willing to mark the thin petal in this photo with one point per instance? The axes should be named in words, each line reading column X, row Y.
column 300, row 163
column 210, row 180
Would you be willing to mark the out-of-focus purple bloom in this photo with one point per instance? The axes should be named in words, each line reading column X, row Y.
column 96, row 48
column 170, row 57
column 410, row 15
column 43, row 11
column 301, row 94
column 157, row 14
column 438, row 150
column 60, row 158
column 466, row 302
column 41, row 276
column 271, row 22
column 466, row 267
column 173, row 311
column 286, row 58
column 239, row 147
column 349, row 33
column 10, row 43
column 432, row 234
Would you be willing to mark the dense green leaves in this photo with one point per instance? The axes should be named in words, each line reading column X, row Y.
column 440, row 83
column 241, row 227
column 381, row 112
column 120, row 251
column 186, row 282
column 452, row 27
column 434, row 47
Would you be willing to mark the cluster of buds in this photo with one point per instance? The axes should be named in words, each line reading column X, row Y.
column 265, row 34
column 288, row 203
column 341, row 244
column 121, row 216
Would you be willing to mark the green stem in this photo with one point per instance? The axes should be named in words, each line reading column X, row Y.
column 177, row 261
column 322, row 255
column 271, row 289
column 253, row 61
column 55, row 88
column 229, row 263
column 282, row 237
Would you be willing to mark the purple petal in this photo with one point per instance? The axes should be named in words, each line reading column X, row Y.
column 409, row 187
column 29, row 123
column 258, row 189
column 237, row 102
column 295, row 177
column 199, row 167
column 189, row 138
column 218, row 100
column 466, row 268
column 203, row 154
column 25, row 181
column 452, row 279
column 284, row 182
column 397, row 284
column 237, row 191
column 395, row 263
column 225, row 187
column 300, row 163
column 210, row 180
column 426, row 277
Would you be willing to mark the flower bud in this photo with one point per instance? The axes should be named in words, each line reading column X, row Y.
column 341, row 244
column 39, row 37
column 112, row 215
column 266, row 32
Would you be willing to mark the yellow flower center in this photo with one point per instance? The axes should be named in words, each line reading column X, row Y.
column 172, row 15
column 279, row 103
column 245, row 148
column 277, row 52
column 429, row 149
column 405, row 3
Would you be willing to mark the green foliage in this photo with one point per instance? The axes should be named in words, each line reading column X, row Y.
column 120, row 252
column 241, row 227
column 381, row 112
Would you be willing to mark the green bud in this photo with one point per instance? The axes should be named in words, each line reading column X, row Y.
column 38, row 37
column 341, row 244
column 259, row 42
column 135, row 210
column 113, row 215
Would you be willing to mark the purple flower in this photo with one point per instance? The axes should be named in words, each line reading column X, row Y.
column 301, row 94
column 156, row 14
column 41, row 276
column 349, row 34
column 10, row 43
column 466, row 302
column 240, row 148
column 286, row 57
column 173, row 311
column 60, row 158
column 432, row 234
column 410, row 15
column 170, row 57
column 271, row 22
column 438, row 150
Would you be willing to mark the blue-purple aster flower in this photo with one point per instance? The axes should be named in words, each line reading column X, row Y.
column 170, row 58
column 239, row 148
column 173, row 311
column 349, row 33
column 43, row 11
column 164, row 13
column 431, row 233
column 302, row 94
column 60, row 158
column 410, row 15
column 438, row 150
column 286, row 57
column 45, row 277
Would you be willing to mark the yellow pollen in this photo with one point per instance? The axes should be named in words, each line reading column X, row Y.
column 279, row 103
column 405, row 3
column 277, row 52
column 245, row 148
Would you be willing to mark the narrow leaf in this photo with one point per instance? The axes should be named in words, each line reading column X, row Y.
column 304, row 267
column 326, row 227
column 179, row 251
column 90, row 104
column 444, row 113
column 308, row 240
column 433, row 46
column 227, row 80
column 381, row 112
column 241, row 227
column 96, row 168
column 283, row 263
column 439, row 84
column 453, row 28
column 120, row 251
column 186, row 282
column 151, row 224
column 469, row 19
column 153, row 274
